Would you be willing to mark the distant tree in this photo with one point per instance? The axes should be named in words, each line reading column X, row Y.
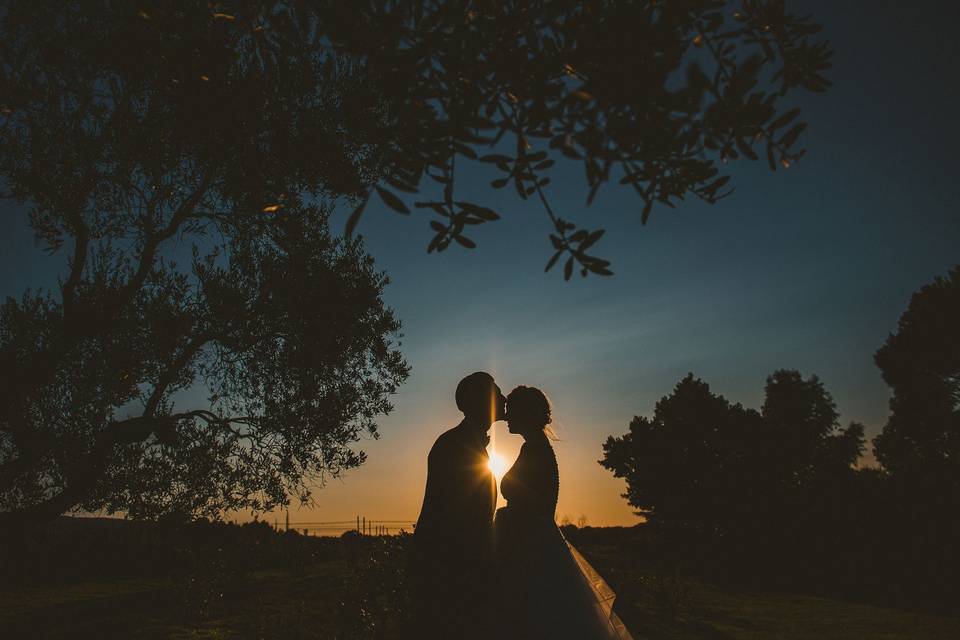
column 807, row 447
column 919, row 446
column 654, row 94
column 685, row 466
column 709, row 466
column 921, row 363
column 210, row 345
column 806, row 468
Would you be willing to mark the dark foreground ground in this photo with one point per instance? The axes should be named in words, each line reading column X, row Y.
column 288, row 586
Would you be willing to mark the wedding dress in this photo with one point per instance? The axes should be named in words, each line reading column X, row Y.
column 546, row 588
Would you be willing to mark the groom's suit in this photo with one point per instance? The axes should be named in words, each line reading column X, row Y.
column 454, row 535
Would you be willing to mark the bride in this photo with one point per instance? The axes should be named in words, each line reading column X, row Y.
column 545, row 587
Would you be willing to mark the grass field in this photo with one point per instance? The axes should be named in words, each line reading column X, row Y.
column 711, row 613
column 269, row 604
column 311, row 602
column 658, row 606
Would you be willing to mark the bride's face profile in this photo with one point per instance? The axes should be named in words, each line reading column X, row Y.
column 518, row 425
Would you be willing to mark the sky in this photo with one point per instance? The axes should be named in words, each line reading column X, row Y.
column 807, row 269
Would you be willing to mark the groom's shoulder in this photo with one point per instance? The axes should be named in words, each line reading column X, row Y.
column 449, row 439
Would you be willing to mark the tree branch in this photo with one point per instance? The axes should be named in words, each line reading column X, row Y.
column 785, row 156
column 166, row 378
column 87, row 471
column 43, row 366
column 80, row 249
column 153, row 240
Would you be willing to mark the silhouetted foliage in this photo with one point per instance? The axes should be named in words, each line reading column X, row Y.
column 652, row 94
column 686, row 465
column 919, row 446
column 193, row 554
column 158, row 580
column 375, row 600
column 750, row 482
column 801, row 420
column 921, row 363
column 774, row 496
column 189, row 182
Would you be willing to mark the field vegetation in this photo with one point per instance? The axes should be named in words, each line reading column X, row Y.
column 118, row 579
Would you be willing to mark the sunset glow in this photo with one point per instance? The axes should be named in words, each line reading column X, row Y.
column 498, row 465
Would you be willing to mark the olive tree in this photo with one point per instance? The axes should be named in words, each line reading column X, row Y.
column 209, row 345
column 656, row 95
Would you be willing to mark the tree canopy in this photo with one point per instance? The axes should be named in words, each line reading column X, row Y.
column 703, row 464
column 203, row 350
column 654, row 94
column 684, row 465
column 921, row 364
column 919, row 446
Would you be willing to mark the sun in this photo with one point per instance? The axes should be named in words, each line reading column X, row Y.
column 497, row 465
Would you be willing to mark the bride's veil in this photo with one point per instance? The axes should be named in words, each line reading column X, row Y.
column 603, row 593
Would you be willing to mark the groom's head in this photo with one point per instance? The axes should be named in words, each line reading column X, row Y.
column 479, row 397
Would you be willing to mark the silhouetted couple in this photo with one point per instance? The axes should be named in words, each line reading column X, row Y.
column 511, row 574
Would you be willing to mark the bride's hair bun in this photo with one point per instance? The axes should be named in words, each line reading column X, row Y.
column 528, row 404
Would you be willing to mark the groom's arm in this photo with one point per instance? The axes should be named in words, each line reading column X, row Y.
column 461, row 493
column 466, row 490
column 482, row 500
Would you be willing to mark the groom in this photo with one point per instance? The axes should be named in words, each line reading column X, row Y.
column 453, row 540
